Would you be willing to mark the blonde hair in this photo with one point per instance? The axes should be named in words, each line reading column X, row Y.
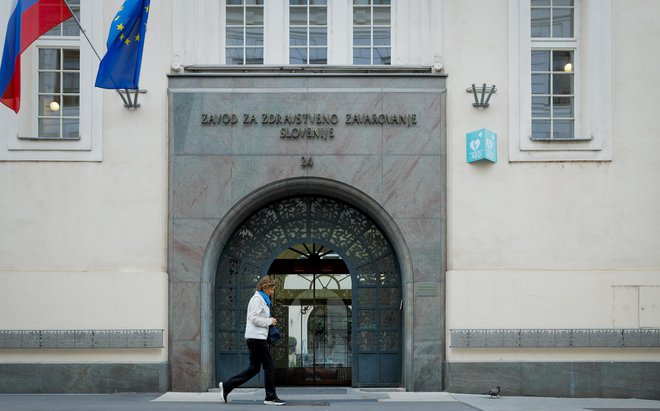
column 265, row 282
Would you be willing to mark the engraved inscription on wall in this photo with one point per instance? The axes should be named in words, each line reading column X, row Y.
column 317, row 126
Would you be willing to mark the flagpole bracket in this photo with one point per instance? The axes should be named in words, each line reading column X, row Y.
column 486, row 93
column 130, row 97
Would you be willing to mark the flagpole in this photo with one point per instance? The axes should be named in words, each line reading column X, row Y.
column 82, row 29
column 126, row 103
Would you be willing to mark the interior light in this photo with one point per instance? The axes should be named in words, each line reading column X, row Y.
column 568, row 68
column 55, row 106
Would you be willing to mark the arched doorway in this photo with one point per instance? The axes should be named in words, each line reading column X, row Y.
column 333, row 262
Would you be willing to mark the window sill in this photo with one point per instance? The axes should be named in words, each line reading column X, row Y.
column 563, row 140
column 49, row 138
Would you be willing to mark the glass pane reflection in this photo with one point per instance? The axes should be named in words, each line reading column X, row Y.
column 541, row 129
column 540, row 60
column 49, row 82
column 235, row 16
column 297, row 37
column 540, row 106
column 49, row 59
column 297, row 56
column 560, row 58
column 563, row 129
column 562, row 83
column 318, row 16
column 318, row 36
column 318, row 313
column 49, row 127
column 298, row 16
column 540, row 22
column 318, row 56
column 254, row 55
column 382, row 16
column 70, row 127
column 234, row 36
column 562, row 22
column 234, row 55
column 382, row 55
column 361, row 56
column 382, row 36
column 562, row 107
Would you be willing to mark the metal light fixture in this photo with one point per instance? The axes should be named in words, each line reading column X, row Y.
column 54, row 106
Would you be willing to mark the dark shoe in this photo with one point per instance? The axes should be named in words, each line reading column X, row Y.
column 276, row 401
column 222, row 392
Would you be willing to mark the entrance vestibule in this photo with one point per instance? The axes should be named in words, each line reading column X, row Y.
column 314, row 300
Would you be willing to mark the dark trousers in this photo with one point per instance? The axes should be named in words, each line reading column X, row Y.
column 259, row 356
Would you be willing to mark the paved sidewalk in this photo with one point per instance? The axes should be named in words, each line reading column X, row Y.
column 483, row 402
column 314, row 399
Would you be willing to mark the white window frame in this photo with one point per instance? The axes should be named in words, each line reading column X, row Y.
column 371, row 47
column 244, row 28
column 51, row 44
column 307, row 46
column 18, row 132
column 593, row 86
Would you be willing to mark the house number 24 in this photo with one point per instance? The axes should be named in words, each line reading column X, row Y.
column 306, row 162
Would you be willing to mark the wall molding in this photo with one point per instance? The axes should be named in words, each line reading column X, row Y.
column 554, row 338
column 85, row 339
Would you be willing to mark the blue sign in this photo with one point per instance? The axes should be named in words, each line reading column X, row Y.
column 480, row 145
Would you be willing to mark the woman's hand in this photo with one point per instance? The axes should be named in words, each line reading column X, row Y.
column 273, row 320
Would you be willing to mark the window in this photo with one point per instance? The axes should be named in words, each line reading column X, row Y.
column 552, row 19
column 59, row 93
column 308, row 32
column 244, row 32
column 560, row 73
column 553, row 63
column 61, row 111
column 372, row 28
column 58, row 90
column 552, row 95
column 295, row 32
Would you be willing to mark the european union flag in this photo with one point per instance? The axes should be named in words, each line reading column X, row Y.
column 120, row 67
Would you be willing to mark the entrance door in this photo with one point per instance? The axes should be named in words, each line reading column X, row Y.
column 346, row 323
column 313, row 301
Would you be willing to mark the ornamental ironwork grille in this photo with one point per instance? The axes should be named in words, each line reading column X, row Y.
column 376, row 279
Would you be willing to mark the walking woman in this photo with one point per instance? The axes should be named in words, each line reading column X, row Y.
column 256, row 332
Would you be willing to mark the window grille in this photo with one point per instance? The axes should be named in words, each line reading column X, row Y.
column 553, row 65
column 308, row 32
column 372, row 32
column 244, row 32
column 58, row 91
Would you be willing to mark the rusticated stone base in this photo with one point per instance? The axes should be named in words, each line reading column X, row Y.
column 83, row 378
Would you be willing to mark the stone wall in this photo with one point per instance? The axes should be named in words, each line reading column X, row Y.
column 377, row 140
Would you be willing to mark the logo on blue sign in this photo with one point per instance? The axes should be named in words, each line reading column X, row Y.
column 481, row 145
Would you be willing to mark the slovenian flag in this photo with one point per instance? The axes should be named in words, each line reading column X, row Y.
column 28, row 20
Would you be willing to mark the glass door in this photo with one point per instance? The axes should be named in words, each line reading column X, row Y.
column 313, row 302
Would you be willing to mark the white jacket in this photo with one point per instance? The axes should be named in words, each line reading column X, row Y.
column 258, row 318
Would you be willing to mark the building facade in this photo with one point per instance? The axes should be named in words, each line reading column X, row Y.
column 451, row 195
